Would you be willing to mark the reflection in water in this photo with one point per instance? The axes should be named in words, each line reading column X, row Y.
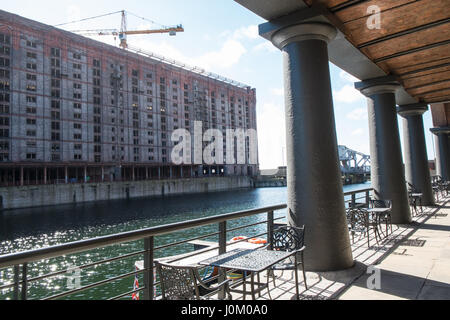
column 27, row 229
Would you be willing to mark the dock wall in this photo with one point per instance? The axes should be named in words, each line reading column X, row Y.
column 48, row 195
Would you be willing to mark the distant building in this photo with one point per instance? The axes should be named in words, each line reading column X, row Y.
column 77, row 110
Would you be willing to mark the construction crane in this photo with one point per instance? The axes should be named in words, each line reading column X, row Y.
column 123, row 32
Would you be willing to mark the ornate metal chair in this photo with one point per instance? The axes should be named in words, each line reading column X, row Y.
column 183, row 283
column 358, row 222
column 413, row 199
column 288, row 238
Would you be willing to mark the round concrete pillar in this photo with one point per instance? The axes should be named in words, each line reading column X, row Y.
column 315, row 193
column 417, row 171
column 387, row 171
column 442, row 152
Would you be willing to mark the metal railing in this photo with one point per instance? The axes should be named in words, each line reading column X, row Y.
column 19, row 263
column 358, row 197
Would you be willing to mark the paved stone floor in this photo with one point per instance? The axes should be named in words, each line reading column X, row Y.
column 413, row 263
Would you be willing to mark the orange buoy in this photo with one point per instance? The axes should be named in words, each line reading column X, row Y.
column 238, row 238
column 257, row 241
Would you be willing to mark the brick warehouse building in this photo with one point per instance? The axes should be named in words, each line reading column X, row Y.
column 77, row 110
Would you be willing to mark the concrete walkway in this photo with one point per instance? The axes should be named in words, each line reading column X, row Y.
column 418, row 268
column 413, row 263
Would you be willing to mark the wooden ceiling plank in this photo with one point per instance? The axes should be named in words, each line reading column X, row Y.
column 421, row 66
column 426, row 80
column 407, row 42
column 444, row 83
column 360, row 10
column 399, row 19
column 434, row 94
column 433, row 54
column 407, row 52
column 427, row 72
column 445, row 98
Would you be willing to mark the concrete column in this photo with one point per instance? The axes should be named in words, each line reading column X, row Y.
column 103, row 173
column 415, row 150
column 442, row 152
column 315, row 193
column 21, row 176
column 66, row 175
column 45, row 175
column 85, row 174
column 388, row 177
column 159, row 173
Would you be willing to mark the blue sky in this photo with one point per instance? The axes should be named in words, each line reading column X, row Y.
column 220, row 36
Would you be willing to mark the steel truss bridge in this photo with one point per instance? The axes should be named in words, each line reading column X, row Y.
column 354, row 164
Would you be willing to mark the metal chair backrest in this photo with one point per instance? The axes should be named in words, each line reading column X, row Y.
column 288, row 238
column 378, row 203
column 177, row 283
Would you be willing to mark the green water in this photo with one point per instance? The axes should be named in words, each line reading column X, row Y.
column 27, row 229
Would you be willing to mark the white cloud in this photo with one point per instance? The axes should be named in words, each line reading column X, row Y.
column 265, row 46
column 250, row 32
column 228, row 55
column 348, row 94
column 358, row 114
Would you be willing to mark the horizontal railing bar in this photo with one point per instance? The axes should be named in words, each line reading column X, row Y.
column 49, row 275
column 184, row 241
column 349, row 193
column 246, row 226
column 93, row 285
column 126, row 294
column 7, row 286
column 211, row 234
column 85, row 245
column 252, row 225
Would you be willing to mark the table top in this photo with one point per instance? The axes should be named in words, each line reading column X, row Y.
column 248, row 259
column 378, row 210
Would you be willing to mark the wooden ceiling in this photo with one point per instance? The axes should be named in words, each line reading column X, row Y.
column 413, row 41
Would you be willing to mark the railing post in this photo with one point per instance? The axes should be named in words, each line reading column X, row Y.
column 353, row 200
column 222, row 237
column 367, row 198
column 24, row 281
column 148, row 267
column 270, row 228
column 222, row 249
column 16, row 282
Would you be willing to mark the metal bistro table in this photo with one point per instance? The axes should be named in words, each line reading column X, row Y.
column 253, row 261
column 417, row 197
column 379, row 212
